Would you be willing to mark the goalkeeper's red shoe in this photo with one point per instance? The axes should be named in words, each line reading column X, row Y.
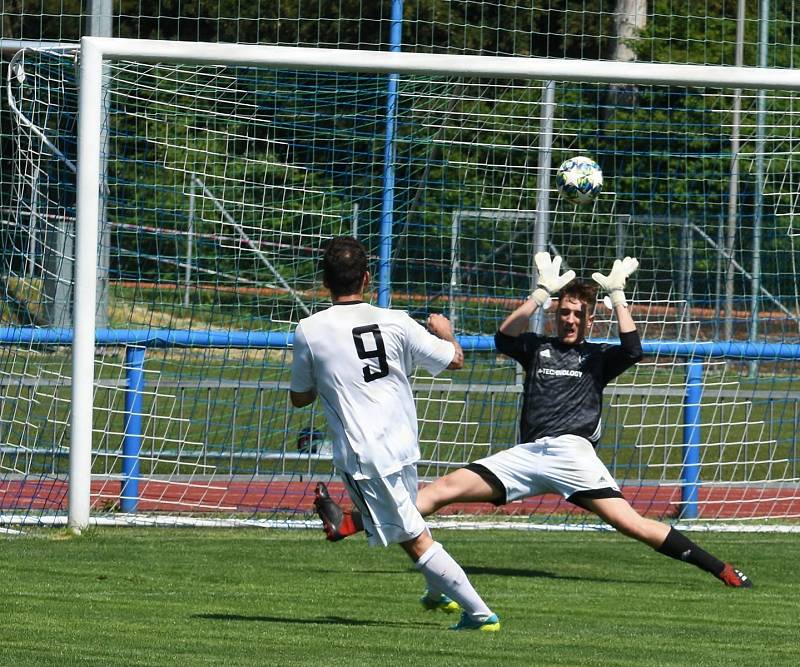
column 734, row 577
column 336, row 522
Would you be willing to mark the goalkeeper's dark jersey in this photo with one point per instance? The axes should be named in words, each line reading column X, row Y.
column 563, row 391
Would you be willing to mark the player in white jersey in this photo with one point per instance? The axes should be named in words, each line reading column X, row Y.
column 556, row 451
column 357, row 359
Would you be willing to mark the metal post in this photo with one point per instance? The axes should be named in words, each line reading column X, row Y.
column 387, row 208
column 455, row 266
column 687, row 288
column 760, row 147
column 691, row 438
column 83, row 345
column 187, row 272
column 733, row 188
column 680, row 288
column 99, row 18
column 132, row 429
column 99, row 23
column 619, row 230
column 541, row 231
column 718, row 285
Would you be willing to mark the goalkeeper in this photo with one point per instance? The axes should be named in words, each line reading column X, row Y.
column 560, row 422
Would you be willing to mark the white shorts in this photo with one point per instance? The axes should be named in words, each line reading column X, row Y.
column 388, row 506
column 565, row 465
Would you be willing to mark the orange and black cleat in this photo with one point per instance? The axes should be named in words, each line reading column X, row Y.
column 336, row 522
column 734, row 577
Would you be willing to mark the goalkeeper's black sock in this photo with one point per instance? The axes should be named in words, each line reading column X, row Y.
column 678, row 546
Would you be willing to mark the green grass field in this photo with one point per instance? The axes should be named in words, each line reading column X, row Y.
column 252, row 597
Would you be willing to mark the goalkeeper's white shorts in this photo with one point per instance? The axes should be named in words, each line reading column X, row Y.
column 565, row 465
column 388, row 506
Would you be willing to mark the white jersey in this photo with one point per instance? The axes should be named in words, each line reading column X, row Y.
column 358, row 358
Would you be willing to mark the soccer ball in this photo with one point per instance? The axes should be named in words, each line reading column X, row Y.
column 579, row 180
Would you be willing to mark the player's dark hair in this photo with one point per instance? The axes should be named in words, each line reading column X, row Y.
column 582, row 291
column 344, row 265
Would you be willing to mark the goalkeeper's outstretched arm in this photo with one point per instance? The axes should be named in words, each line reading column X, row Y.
column 624, row 319
column 614, row 284
column 517, row 322
column 630, row 343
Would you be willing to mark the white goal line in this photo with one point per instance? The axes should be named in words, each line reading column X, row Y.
column 174, row 521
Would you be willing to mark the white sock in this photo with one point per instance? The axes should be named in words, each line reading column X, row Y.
column 446, row 576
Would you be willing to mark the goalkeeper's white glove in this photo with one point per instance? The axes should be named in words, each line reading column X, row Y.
column 549, row 281
column 614, row 282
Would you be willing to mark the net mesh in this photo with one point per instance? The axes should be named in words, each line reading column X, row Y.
column 222, row 185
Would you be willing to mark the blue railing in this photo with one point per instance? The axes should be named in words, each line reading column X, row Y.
column 138, row 340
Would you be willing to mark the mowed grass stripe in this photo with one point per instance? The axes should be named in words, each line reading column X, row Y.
column 254, row 597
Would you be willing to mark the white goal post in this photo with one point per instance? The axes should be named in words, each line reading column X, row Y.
column 95, row 51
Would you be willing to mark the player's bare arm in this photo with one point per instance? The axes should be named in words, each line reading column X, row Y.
column 440, row 326
column 517, row 323
column 624, row 319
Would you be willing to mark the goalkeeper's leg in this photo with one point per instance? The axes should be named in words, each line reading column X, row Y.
column 677, row 545
column 463, row 485
column 664, row 539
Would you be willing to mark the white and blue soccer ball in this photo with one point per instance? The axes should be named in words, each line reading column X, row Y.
column 579, row 180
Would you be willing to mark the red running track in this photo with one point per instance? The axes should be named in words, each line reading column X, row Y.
column 261, row 497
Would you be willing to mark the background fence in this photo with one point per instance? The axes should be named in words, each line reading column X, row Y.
column 222, row 184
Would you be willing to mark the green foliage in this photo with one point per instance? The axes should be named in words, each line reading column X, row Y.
column 296, row 152
column 679, row 33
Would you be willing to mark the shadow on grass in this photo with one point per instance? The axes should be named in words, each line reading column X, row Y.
column 498, row 571
column 319, row 620
column 543, row 574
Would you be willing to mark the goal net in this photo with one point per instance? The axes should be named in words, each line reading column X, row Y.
column 155, row 389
